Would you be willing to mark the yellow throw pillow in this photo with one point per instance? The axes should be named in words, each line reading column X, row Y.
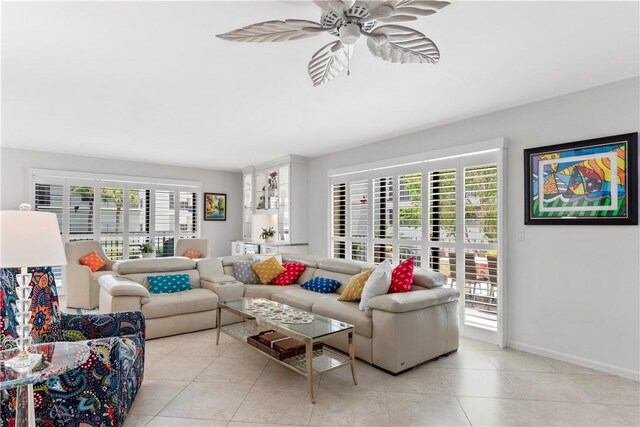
column 268, row 269
column 353, row 291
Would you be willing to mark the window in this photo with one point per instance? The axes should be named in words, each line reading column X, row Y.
column 460, row 236
column 119, row 213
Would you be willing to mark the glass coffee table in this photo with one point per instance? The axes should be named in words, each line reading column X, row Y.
column 261, row 314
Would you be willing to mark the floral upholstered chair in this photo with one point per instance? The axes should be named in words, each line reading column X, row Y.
column 99, row 392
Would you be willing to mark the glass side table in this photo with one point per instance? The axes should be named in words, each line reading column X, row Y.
column 57, row 358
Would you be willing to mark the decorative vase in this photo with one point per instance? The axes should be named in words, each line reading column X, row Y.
column 148, row 255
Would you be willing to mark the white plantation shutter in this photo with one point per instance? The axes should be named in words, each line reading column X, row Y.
column 480, row 204
column 410, row 251
column 410, row 206
column 383, row 208
column 338, row 220
column 359, row 208
column 188, row 214
column 120, row 214
column 442, row 205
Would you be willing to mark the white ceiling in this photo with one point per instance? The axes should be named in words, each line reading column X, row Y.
column 149, row 81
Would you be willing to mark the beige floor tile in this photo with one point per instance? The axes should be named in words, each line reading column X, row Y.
column 630, row 414
column 514, row 360
column 234, row 371
column 502, row 412
column 215, row 401
column 479, row 383
column 469, row 344
column 548, row 387
column 154, row 395
column 185, row 422
column 342, row 378
column 579, row 414
column 151, row 359
column 243, row 424
column 569, row 368
column 274, row 405
column 242, row 351
column 609, row 389
column 200, row 348
column 163, row 346
column 471, row 359
column 339, row 407
column 133, row 420
column 425, row 381
column 178, row 368
column 425, row 410
column 275, row 374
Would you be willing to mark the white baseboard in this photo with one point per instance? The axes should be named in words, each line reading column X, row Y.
column 611, row 369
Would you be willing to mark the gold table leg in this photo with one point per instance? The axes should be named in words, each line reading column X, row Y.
column 352, row 358
column 309, row 357
column 218, row 316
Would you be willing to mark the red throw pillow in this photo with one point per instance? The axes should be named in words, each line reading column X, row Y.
column 294, row 270
column 93, row 261
column 402, row 277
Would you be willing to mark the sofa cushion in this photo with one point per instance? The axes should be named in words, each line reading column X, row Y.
column 169, row 283
column 402, row 277
column 353, row 291
column 307, row 274
column 340, row 266
column 143, row 278
column 321, row 285
column 268, row 269
column 298, row 297
column 294, row 270
column 377, row 284
column 308, row 260
column 428, row 278
column 153, row 265
column 93, row 261
column 192, row 301
column 343, row 278
column 251, row 290
column 345, row 311
column 243, row 272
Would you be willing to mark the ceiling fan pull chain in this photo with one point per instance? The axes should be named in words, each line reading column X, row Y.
column 348, row 60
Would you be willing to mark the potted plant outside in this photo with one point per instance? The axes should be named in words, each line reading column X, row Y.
column 147, row 251
column 268, row 234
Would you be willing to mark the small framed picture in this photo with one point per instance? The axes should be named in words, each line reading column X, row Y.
column 585, row 182
column 215, row 207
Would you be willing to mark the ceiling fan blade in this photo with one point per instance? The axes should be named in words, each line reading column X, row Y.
column 395, row 43
column 404, row 10
column 328, row 62
column 274, row 31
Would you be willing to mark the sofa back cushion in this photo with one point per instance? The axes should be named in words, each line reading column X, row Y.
column 427, row 278
column 340, row 266
column 343, row 278
column 153, row 265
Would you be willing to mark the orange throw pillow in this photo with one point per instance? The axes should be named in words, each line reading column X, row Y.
column 93, row 261
column 192, row 254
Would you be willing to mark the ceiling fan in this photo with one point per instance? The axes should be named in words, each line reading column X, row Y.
column 348, row 20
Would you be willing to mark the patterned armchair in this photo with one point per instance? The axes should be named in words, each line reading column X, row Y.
column 98, row 393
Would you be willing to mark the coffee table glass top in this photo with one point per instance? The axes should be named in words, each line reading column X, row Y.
column 286, row 317
column 57, row 358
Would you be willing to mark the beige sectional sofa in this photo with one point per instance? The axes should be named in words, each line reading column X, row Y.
column 395, row 332
column 171, row 313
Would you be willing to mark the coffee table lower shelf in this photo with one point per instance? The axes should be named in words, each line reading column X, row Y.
column 324, row 359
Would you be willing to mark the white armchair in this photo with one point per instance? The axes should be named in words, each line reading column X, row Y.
column 83, row 288
column 199, row 245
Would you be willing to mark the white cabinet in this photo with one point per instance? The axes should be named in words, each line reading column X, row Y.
column 277, row 199
column 283, row 249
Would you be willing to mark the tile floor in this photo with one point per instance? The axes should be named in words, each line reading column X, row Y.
column 189, row 381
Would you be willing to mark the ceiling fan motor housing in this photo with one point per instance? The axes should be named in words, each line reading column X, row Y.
column 349, row 33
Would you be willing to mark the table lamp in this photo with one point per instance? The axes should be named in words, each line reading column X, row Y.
column 27, row 239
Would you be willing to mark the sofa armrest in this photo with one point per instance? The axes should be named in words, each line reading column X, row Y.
column 414, row 300
column 218, row 278
column 121, row 287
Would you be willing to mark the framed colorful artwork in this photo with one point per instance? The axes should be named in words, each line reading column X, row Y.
column 584, row 182
column 215, row 207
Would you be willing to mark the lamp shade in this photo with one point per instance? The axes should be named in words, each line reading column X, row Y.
column 30, row 239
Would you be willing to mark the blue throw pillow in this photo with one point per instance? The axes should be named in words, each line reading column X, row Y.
column 169, row 283
column 321, row 284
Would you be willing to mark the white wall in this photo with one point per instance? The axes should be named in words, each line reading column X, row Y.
column 15, row 185
column 573, row 291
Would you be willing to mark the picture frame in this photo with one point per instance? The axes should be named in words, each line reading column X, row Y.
column 215, row 206
column 595, row 183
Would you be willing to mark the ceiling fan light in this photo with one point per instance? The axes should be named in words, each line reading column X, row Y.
column 349, row 34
